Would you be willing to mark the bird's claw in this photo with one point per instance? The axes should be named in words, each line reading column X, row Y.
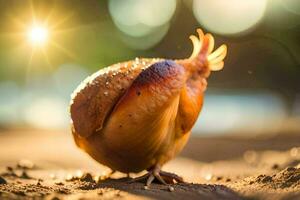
column 163, row 177
column 170, row 177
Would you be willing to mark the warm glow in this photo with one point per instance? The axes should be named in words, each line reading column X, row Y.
column 230, row 16
column 38, row 35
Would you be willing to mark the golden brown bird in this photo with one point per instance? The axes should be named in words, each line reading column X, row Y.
column 137, row 115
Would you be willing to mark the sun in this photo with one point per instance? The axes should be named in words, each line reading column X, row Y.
column 38, row 35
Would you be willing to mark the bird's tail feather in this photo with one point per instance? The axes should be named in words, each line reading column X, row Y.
column 203, row 53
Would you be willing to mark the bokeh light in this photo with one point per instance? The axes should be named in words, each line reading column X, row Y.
column 147, row 41
column 47, row 51
column 46, row 112
column 38, row 34
column 282, row 14
column 142, row 19
column 45, row 98
column 292, row 5
column 259, row 112
column 229, row 17
column 149, row 13
column 67, row 77
column 9, row 103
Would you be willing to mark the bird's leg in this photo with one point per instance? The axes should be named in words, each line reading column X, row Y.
column 164, row 178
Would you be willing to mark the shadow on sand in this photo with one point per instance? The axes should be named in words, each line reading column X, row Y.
column 181, row 191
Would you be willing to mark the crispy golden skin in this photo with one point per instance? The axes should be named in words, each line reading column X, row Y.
column 138, row 114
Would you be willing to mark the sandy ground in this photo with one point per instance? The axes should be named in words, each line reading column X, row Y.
column 47, row 165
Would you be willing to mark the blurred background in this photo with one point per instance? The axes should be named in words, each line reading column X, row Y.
column 48, row 47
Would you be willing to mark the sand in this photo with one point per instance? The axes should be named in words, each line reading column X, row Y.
column 47, row 165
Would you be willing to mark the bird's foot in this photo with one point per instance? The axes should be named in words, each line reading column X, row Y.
column 170, row 177
column 163, row 177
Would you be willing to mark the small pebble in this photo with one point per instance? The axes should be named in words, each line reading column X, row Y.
column 10, row 169
column 118, row 194
column 171, row 189
column 79, row 173
column 275, row 166
column 87, row 177
column 208, row 177
column 59, row 183
column 294, row 151
column 2, row 181
column 146, row 187
column 52, row 176
column 266, row 179
column 25, row 175
column 62, row 191
column 25, row 164
column 289, row 169
column 21, row 193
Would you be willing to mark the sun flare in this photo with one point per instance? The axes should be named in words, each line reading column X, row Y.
column 38, row 35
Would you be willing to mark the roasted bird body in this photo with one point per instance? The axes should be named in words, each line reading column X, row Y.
column 137, row 115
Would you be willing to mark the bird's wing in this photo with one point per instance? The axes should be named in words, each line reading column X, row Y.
column 143, row 121
column 96, row 96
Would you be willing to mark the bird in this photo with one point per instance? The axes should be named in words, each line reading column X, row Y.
column 137, row 115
